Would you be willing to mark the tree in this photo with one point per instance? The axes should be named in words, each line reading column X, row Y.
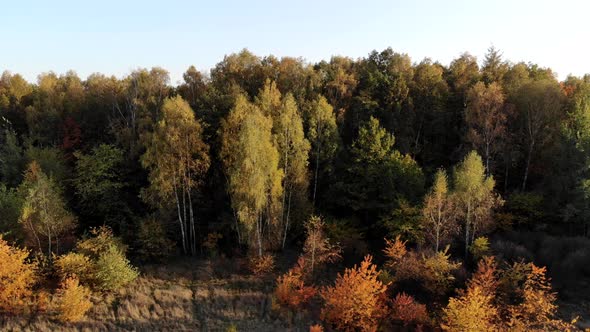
column 439, row 211
column 317, row 248
column 486, row 119
column 493, row 69
column 10, row 208
column 472, row 311
column 99, row 184
column 539, row 105
column 379, row 174
column 475, row 196
column 325, row 141
column 44, row 214
column 291, row 290
column 17, row 277
column 292, row 146
column 177, row 158
column 251, row 163
column 11, row 157
column 355, row 302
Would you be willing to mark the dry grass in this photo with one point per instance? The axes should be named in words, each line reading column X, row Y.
column 186, row 295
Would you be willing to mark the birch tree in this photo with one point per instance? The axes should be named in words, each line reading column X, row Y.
column 177, row 159
column 438, row 211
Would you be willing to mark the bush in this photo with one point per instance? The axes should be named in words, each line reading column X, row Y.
column 316, row 328
column 394, row 251
column 291, row 290
column 73, row 300
column 75, row 264
column 406, row 310
column 480, row 247
column 473, row 311
column 102, row 239
column 262, row 265
column 438, row 272
column 113, row 270
column 153, row 243
column 356, row 301
column 17, row 277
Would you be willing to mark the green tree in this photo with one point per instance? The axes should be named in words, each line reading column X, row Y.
column 177, row 159
column 475, row 196
column 44, row 214
column 99, row 184
column 10, row 207
column 325, row 141
column 379, row 175
column 11, row 157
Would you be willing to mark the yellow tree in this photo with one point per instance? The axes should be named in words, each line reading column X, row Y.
column 252, row 167
column 438, row 211
column 293, row 148
column 486, row 119
column 17, row 277
column 177, row 158
column 317, row 248
column 475, row 196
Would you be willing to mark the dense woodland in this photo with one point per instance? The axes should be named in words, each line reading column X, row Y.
column 444, row 191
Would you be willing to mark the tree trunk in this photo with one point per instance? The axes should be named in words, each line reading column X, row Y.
column 287, row 223
column 526, row 169
column 193, row 232
column 180, row 220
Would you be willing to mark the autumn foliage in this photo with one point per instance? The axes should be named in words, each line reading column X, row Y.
column 17, row 277
column 406, row 310
column 73, row 300
column 355, row 302
column 291, row 290
column 262, row 265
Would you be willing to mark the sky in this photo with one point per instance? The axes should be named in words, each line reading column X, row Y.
column 116, row 37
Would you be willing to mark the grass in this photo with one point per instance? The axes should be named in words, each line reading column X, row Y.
column 184, row 295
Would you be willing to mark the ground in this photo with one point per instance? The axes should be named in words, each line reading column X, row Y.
column 183, row 295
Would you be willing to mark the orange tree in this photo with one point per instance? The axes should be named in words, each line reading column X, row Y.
column 17, row 277
column 356, row 301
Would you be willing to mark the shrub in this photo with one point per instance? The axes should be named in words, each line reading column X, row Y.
column 486, row 276
column 210, row 243
column 480, row 247
column 356, row 300
column 537, row 309
column 262, row 265
column 406, row 310
column 438, row 272
column 291, row 290
column 472, row 311
column 102, row 239
column 394, row 251
column 17, row 277
column 113, row 270
column 73, row 300
column 75, row 264
column 154, row 244
column 316, row 328
column 317, row 248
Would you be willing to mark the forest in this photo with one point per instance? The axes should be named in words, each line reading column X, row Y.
column 269, row 194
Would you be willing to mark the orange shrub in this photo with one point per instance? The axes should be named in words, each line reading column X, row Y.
column 472, row 311
column 262, row 265
column 17, row 277
column 355, row 302
column 291, row 290
column 73, row 300
column 408, row 311
column 394, row 251
column 316, row 328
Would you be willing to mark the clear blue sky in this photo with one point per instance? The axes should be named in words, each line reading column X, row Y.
column 114, row 37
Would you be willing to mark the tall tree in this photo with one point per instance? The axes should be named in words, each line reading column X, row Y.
column 493, row 69
column 540, row 109
column 486, row 118
column 251, row 163
column 475, row 196
column 325, row 141
column 177, row 158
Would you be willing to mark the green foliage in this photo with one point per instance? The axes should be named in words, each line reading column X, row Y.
column 99, row 184
column 101, row 240
column 438, row 275
column 10, row 209
column 51, row 161
column 113, row 270
column 12, row 162
column 153, row 242
column 379, row 175
column 44, row 214
column 405, row 221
